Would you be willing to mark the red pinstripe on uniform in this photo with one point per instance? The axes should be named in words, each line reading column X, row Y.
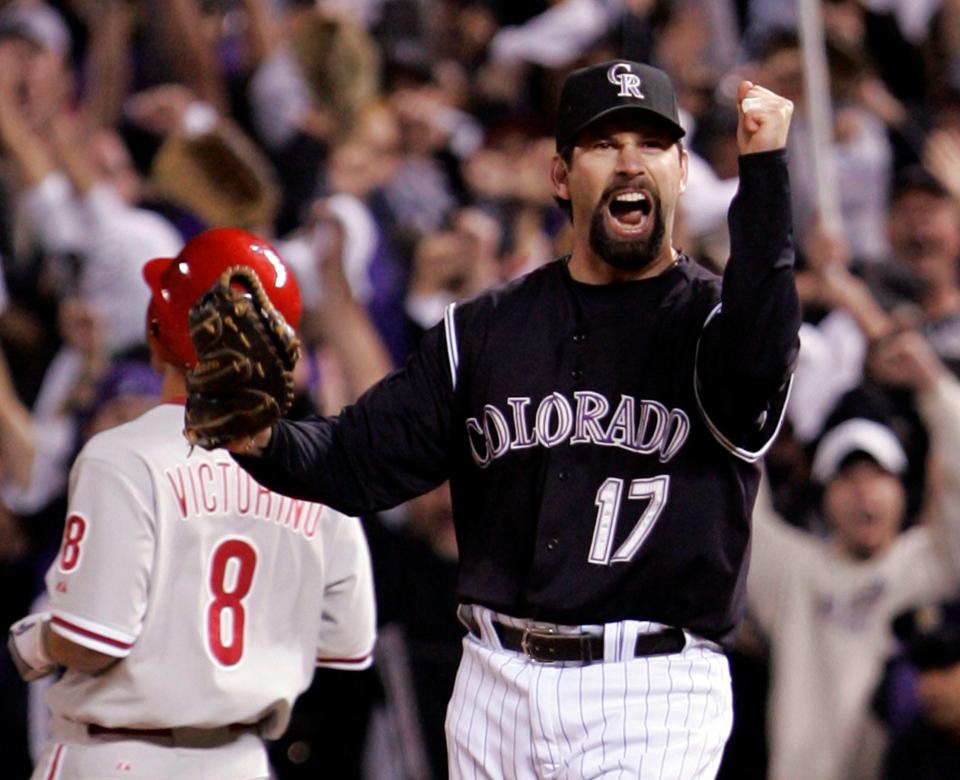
column 55, row 763
column 355, row 660
column 91, row 634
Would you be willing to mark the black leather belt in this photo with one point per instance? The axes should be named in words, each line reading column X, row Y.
column 545, row 646
column 228, row 732
column 96, row 730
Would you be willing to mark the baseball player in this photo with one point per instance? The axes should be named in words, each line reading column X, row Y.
column 189, row 604
column 599, row 420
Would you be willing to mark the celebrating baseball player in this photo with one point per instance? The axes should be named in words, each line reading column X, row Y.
column 599, row 420
column 189, row 604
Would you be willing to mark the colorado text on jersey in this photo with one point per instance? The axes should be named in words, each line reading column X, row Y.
column 644, row 427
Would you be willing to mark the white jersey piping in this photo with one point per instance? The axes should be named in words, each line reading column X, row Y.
column 450, row 329
column 744, row 454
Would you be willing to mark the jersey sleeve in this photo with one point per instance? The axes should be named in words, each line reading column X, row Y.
column 99, row 583
column 389, row 446
column 749, row 342
column 348, row 617
column 776, row 549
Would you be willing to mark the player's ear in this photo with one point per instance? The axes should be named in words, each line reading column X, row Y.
column 558, row 176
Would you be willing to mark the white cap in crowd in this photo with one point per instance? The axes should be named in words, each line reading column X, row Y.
column 858, row 435
column 37, row 23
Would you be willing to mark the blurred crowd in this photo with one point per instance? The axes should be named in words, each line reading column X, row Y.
column 397, row 152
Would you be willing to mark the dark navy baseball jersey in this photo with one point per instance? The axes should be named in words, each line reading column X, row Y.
column 600, row 441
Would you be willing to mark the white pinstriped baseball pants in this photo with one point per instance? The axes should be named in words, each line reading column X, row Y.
column 661, row 717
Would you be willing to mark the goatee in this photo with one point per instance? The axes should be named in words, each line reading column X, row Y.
column 626, row 254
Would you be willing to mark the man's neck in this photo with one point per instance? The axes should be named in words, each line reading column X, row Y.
column 589, row 268
column 855, row 554
column 174, row 386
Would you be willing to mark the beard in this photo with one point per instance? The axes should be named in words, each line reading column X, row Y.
column 626, row 254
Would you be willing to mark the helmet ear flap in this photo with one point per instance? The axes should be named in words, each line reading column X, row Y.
column 157, row 340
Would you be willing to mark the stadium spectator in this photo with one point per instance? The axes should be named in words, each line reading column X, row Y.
column 825, row 604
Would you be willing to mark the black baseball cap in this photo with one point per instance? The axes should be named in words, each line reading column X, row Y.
column 597, row 91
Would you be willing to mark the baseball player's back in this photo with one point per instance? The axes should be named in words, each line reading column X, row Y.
column 218, row 595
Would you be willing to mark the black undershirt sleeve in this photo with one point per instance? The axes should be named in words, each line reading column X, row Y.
column 748, row 349
column 389, row 446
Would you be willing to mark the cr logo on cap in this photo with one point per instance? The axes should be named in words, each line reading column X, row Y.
column 629, row 82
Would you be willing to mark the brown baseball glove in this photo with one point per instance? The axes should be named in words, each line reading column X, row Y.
column 246, row 352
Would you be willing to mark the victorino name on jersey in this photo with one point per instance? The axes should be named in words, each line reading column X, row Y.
column 202, row 488
column 645, row 427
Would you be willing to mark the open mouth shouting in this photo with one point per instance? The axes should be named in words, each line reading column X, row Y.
column 627, row 228
column 630, row 213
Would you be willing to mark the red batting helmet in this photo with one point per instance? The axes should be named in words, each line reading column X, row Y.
column 178, row 282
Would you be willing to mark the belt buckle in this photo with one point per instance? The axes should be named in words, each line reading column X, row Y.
column 536, row 632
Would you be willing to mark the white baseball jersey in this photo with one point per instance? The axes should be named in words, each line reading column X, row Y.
column 218, row 595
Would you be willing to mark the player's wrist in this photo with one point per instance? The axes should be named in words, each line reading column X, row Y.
column 28, row 648
column 251, row 446
column 262, row 440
